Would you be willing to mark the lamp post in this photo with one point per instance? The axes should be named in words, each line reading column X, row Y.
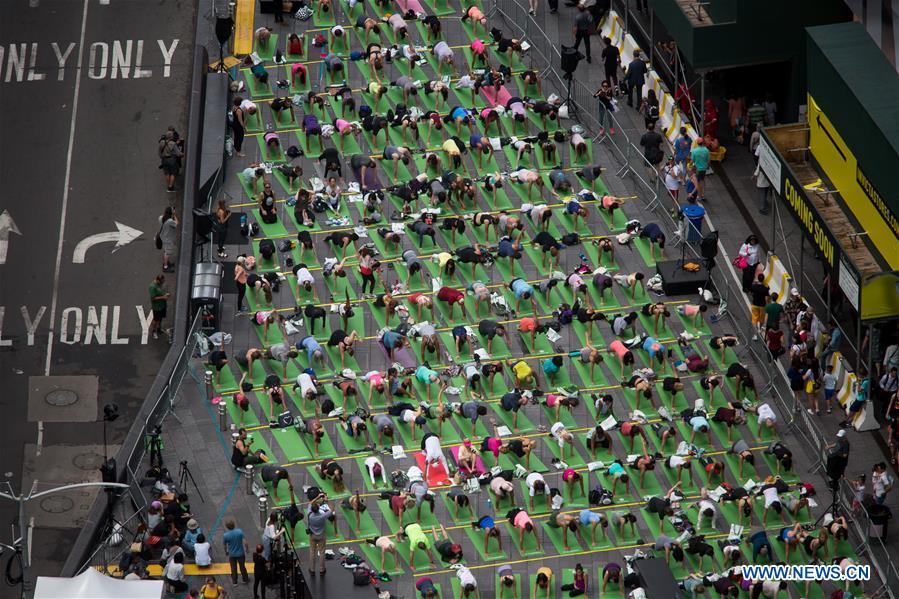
column 21, row 544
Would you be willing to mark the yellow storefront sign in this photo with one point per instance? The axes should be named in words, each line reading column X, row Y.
column 849, row 178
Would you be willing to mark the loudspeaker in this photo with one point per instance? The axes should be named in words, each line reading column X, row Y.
column 108, row 471
column 570, row 59
column 223, row 28
column 708, row 247
column 835, row 467
column 202, row 223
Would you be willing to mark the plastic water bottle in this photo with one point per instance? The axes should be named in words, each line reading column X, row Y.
column 489, row 502
column 243, row 220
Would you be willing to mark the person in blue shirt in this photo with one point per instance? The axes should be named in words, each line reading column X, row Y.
column 460, row 339
column 682, row 146
column 488, row 525
column 655, row 350
column 523, row 291
column 236, row 548
column 551, row 368
column 507, row 248
column 699, row 424
column 392, row 341
column 313, row 349
column 653, row 233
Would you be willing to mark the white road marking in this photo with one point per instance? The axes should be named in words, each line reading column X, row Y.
column 123, row 236
column 65, row 192
column 40, row 436
column 7, row 226
column 104, row 2
column 33, row 3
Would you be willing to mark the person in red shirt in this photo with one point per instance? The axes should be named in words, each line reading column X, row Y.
column 774, row 338
column 451, row 297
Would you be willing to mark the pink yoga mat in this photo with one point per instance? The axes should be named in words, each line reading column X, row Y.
column 496, row 98
column 413, row 5
column 437, row 476
column 479, row 463
column 404, row 356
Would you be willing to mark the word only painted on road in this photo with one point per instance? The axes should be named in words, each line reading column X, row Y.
column 93, row 325
column 118, row 59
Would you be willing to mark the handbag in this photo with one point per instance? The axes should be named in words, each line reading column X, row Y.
column 741, row 262
column 158, row 238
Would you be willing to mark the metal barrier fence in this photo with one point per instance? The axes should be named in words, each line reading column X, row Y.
column 134, row 499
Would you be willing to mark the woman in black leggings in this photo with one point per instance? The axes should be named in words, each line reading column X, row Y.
column 367, row 269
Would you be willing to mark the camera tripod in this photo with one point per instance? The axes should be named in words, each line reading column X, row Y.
column 184, row 475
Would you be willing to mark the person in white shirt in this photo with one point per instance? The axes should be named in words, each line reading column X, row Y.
column 467, row 582
column 173, row 574
column 708, row 509
column 536, row 484
column 202, row 552
column 502, row 488
column 772, row 500
column 307, row 386
column 304, row 277
column 562, row 436
column 766, row 416
column 433, row 453
column 673, row 176
column 375, row 469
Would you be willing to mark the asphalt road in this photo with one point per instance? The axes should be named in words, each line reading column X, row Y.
column 78, row 156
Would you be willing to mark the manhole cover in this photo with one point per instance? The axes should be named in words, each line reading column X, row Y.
column 88, row 461
column 61, row 397
column 56, row 504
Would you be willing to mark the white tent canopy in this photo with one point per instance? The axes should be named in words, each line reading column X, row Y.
column 90, row 584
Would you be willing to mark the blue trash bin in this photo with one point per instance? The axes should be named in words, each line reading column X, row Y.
column 694, row 213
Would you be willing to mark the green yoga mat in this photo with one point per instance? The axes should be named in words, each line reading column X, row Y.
column 643, row 248
column 258, row 90
column 503, row 592
column 248, row 189
column 325, row 485
column 349, row 442
column 224, row 380
column 598, row 379
column 367, row 528
column 234, row 412
column 284, row 119
column 535, row 593
column 505, row 417
column 373, row 555
column 532, row 547
column 269, row 51
column 321, row 18
column 573, row 459
column 419, row 557
column 392, row 523
column 477, row 540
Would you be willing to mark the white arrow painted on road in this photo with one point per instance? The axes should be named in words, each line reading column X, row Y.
column 122, row 237
column 7, row 226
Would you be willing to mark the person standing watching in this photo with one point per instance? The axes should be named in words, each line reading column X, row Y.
column 701, row 159
column 236, row 547
column 635, row 77
column 159, row 299
column 583, row 27
column 170, row 154
column 168, row 237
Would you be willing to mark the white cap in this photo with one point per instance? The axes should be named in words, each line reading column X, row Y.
column 841, row 432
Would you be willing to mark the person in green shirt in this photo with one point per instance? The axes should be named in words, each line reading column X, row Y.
column 159, row 299
column 700, row 157
column 774, row 311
